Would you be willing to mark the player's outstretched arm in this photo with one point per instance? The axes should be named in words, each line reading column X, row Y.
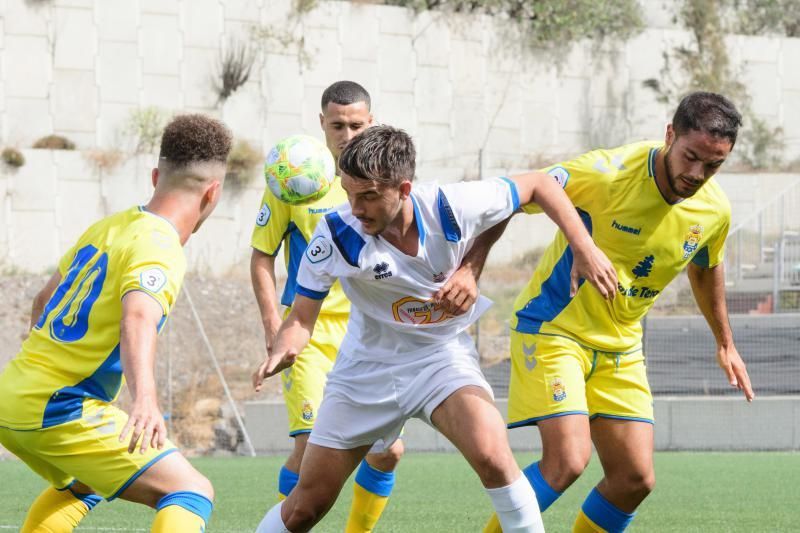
column 460, row 291
column 262, row 275
column 137, row 344
column 708, row 286
column 42, row 297
column 589, row 262
column 292, row 337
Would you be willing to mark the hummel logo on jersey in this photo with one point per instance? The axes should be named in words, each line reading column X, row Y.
column 440, row 277
column 626, row 229
column 382, row 270
column 530, row 359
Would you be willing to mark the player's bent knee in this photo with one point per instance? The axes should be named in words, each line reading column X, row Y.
column 495, row 469
column 387, row 460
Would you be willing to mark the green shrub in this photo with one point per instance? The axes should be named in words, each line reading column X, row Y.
column 244, row 161
column 12, row 157
column 54, row 142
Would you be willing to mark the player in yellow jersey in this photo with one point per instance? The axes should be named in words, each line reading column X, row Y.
column 93, row 325
column 345, row 113
column 578, row 371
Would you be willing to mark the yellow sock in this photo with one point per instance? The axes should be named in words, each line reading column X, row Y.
column 365, row 511
column 54, row 511
column 493, row 526
column 583, row 524
column 176, row 519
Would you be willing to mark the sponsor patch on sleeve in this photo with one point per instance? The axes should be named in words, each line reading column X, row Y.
column 153, row 279
column 319, row 249
column 561, row 175
column 263, row 216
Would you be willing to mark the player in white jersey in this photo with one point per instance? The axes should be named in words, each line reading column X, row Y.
column 392, row 249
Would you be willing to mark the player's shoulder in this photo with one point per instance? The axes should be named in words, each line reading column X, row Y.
column 714, row 197
column 633, row 159
column 346, row 233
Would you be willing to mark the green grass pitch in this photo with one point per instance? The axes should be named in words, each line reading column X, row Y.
column 695, row 492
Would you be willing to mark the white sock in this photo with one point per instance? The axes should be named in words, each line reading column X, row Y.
column 272, row 521
column 517, row 508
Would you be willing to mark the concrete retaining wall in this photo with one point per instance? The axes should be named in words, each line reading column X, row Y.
column 682, row 423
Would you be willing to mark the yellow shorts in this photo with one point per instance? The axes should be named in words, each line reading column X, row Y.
column 555, row 376
column 304, row 382
column 86, row 449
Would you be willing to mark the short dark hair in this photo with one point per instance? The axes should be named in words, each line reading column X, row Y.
column 381, row 153
column 345, row 93
column 708, row 112
column 194, row 138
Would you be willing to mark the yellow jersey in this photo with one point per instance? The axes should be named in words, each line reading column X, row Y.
column 278, row 221
column 648, row 240
column 72, row 352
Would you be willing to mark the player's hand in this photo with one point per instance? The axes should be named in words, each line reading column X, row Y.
column 273, row 364
column 459, row 293
column 591, row 264
column 147, row 424
column 731, row 363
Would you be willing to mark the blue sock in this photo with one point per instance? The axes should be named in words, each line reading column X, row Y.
column 545, row 494
column 90, row 500
column 286, row 481
column 375, row 481
column 193, row 502
column 604, row 513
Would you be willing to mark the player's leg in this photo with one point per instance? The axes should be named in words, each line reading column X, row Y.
column 622, row 431
column 182, row 496
column 162, row 479
column 373, row 484
column 469, row 419
column 64, row 503
column 322, row 475
column 303, row 386
column 547, row 389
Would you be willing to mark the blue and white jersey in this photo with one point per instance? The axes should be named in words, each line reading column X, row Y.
column 392, row 316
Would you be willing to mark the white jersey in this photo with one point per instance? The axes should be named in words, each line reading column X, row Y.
column 392, row 317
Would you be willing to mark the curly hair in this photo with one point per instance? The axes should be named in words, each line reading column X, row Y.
column 380, row 153
column 195, row 138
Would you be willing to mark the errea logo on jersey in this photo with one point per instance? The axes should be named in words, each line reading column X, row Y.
column 382, row 270
column 153, row 279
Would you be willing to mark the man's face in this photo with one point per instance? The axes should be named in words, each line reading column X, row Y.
column 374, row 205
column 343, row 122
column 692, row 158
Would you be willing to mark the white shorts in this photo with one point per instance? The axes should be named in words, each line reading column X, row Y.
column 368, row 402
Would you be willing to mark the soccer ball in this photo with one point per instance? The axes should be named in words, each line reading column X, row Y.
column 299, row 170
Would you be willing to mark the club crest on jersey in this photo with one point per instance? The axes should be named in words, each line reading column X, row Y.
column 410, row 310
column 308, row 411
column 692, row 240
column 440, row 277
column 263, row 216
column 559, row 390
column 382, row 270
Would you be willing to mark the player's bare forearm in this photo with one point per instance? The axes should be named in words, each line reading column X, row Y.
column 590, row 263
column 708, row 287
column 137, row 344
column 460, row 291
column 292, row 337
column 42, row 297
column 262, row 275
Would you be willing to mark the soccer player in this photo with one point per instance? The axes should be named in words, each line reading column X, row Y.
column 578, row 370
column 392, row 248
column 94, row 324
column 345, row 113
